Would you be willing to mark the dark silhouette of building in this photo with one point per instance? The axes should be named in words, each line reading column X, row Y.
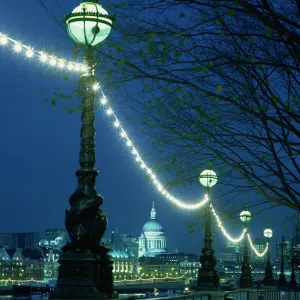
column 20, row 240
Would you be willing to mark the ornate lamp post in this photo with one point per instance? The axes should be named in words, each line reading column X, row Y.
column 268, row 280
column 208, row 277
column 282, row 281
column 85, row 270
column 293, row 282
column 246, row 280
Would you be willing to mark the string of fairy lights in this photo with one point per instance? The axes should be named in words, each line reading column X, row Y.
column 41, row 56
column 62, row 64
column 138, row 158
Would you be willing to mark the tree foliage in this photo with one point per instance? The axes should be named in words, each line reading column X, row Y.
column 214, row 81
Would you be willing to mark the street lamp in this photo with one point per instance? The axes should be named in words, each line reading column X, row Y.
column 293, row 282
column 268, row 279
column 85, row 270
column 246, row 280
column 282, row 280
column 208, row 277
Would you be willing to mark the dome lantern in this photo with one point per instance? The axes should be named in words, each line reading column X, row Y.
column 153, row 212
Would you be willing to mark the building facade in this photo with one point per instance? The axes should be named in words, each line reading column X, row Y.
column 21, row 265
column 51, row 264
column 152, row 240
column 55, row 238
column 124, row 253
column 169, row 265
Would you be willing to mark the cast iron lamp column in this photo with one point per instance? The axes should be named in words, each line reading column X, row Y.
column 85, row 270
column 268, row 279
column 282, row 281
column 208, row 277
column 246, row 280
column 293, row 282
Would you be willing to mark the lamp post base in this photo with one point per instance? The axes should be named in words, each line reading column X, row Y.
column 205, row 281
column 246, row 282
column 84, row 275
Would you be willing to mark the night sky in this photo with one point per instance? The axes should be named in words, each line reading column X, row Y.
column 40, row 144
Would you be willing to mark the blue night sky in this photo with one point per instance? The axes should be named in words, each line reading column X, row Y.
column 40, row 144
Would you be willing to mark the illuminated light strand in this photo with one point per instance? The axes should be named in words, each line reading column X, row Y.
column 260, row 254
column 138, row 158
column 51, row 60
column 226, row 234
column 147, row 279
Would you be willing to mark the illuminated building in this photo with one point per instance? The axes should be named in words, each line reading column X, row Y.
column 152, row 240
column 124, row 253
column 21, row 265
column 53, row 233
column 20, row 240
column 227, row 255
column 286, row 254
column 51, row 264
column 55, row 238
column 169, row 265
column 260, row 246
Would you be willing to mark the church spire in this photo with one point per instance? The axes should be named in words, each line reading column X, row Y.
column 153, row 212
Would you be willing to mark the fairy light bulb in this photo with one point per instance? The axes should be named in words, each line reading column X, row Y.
column 52, row 61
column 96, row 86
column 43, row 57
column 3, row 40
column 103, row 101
column 29, row 53
column 77, row 67
column 70, row 67
column 117, row 124
column 17, row 47
column 109, row 111
column 61, row 64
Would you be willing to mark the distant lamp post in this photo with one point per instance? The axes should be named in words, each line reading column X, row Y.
column 282, row 281
column 208, row 277
column 293, row 282
column 246, row 280
column 268, row 279
column 85, row 270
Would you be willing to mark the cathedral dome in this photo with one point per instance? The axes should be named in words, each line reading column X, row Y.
column 152, row 240
column 153, row 225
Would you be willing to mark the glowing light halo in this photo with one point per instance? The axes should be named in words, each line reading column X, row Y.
column 260, row 254
column 226, row 234
column 40, row 56
column 147, row 279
